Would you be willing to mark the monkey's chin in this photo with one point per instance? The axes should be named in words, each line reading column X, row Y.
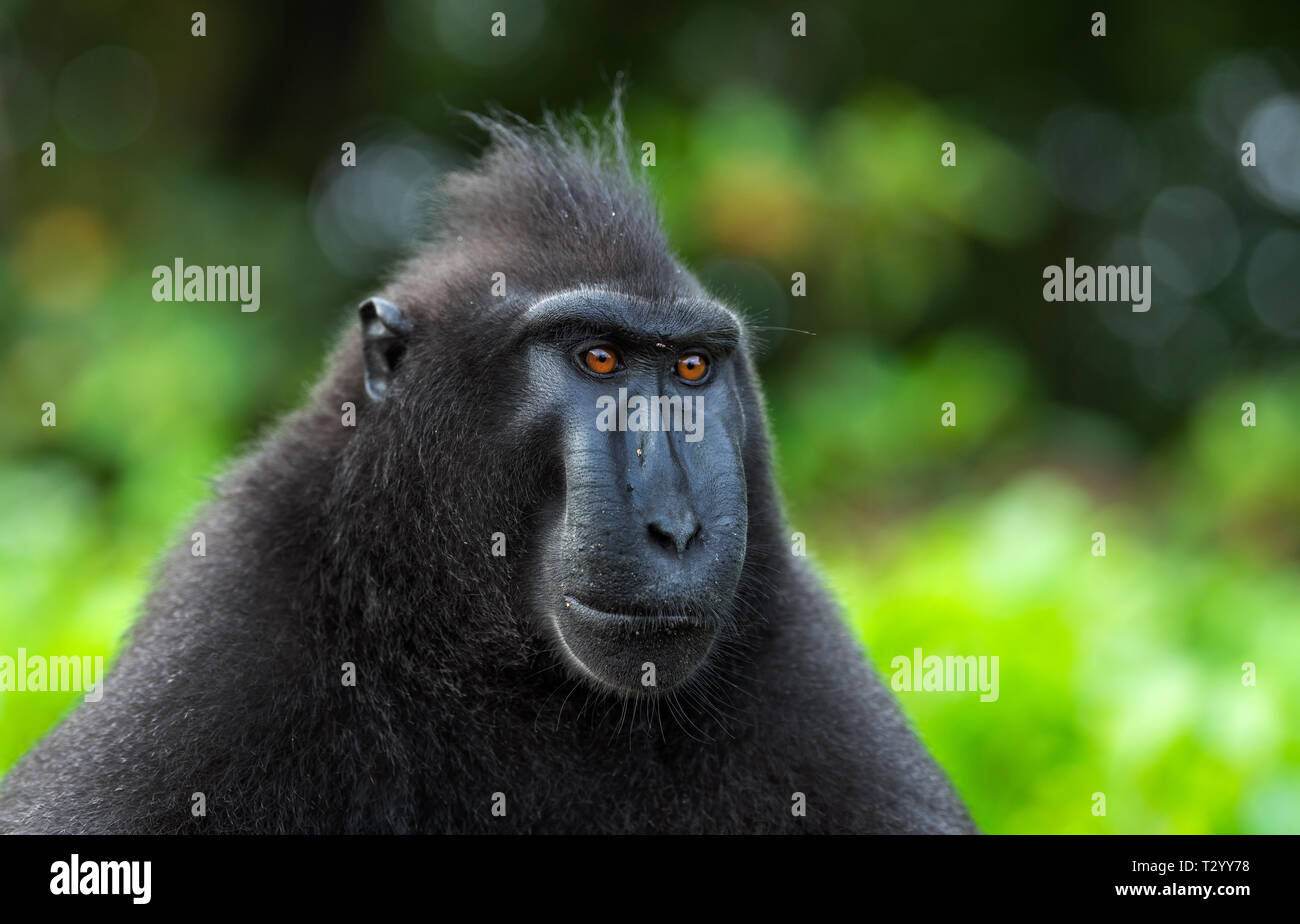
column 644, row 655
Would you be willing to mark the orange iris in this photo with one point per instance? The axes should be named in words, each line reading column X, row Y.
column 692, row 366
column 601, row 360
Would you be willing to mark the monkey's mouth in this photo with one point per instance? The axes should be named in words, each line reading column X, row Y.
column 644, row 654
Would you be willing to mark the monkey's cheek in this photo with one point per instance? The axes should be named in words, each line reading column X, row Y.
column 633, row 654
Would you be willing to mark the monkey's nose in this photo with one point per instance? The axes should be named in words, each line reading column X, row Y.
column 675, row 530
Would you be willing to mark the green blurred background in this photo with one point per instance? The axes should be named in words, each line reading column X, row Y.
column 1119, row 674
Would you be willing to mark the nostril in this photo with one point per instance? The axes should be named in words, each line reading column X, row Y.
column 674, row 534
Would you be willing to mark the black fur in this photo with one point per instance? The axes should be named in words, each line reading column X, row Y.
column 370, row 545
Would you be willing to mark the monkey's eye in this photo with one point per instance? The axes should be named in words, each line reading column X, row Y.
column 601, row 360
column 692, row 366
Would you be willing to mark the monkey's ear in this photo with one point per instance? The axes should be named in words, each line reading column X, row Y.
column 384, row 329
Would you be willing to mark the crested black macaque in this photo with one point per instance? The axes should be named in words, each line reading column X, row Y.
column 519, row 565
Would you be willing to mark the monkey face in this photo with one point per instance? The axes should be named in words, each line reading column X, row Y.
column 644, row 542
column 635, row 411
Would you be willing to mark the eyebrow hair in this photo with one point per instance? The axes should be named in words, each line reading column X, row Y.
column 682, row 321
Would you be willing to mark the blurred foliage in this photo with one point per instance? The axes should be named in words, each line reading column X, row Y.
column 1121, row 674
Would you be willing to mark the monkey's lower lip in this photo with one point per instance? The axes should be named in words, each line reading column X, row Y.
column 635, row 621
column 634, row 653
